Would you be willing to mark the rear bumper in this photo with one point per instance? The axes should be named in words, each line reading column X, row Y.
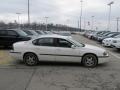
column 16, row 55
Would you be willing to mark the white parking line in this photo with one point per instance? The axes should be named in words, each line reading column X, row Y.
column 114, row 55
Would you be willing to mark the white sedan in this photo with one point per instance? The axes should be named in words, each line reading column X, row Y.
column 58, row 48
column 116, row 44
column 109, row 41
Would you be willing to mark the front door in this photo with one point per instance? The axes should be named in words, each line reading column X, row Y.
column 64, row 52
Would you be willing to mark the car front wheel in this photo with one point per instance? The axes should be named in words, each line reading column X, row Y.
column 89, row 60
column 30, row 59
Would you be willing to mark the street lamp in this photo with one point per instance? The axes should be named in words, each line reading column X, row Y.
column 81, row 16
column 118, row 23
column 109, row 18
column 92, row 22
column 46, row 23
column 28, row 12
column 18, row 19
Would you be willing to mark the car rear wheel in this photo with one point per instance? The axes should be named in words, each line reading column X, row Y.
column 30, row 59
column 89, row 60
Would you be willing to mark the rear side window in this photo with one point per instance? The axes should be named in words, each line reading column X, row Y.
column 2, row 32
column 44, row 42
column 12, row 33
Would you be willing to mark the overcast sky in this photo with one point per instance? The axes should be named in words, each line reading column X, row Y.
column 61, row 11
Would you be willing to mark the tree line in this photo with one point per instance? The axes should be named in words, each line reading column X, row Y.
column 37, row 26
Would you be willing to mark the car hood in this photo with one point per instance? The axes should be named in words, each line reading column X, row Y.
column 107, row 39
column 112, row 39
column 91, row 47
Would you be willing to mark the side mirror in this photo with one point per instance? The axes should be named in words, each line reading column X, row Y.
column 73, row 46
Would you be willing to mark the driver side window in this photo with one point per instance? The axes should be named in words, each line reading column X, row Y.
column 63, row 43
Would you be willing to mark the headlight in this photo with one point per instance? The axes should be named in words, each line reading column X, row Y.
column 105, row 54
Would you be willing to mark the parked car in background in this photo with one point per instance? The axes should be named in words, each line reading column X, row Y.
column 33, row 32
column 8, row 37
column 58, row 48
column 40, row 32
column 92, row 34
column 116, row 44
column 109, row 35
column 99, row 34
column 110, row 41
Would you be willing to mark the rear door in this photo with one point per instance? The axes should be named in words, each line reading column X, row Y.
column 45, row 48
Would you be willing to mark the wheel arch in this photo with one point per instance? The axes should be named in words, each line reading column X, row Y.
column 87, row 54
column 28, row 53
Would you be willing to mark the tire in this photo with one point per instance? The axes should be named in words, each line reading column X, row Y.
column 89, row 60
column 30, row 59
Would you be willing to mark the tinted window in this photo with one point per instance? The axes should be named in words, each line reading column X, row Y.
column 44, row 42
column 12, row 33
column 2, row 32
column 21, row 33
column 63, row 43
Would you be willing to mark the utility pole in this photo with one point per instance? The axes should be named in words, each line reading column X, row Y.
column 84, row 23
column 92, row 22
column 18, row 19
column 78, row 24
column 46, row 18
column 81, row 16
column 28, row 12
column 109, row 18
column 118, row 24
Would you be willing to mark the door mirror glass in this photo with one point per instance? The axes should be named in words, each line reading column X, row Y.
column 73, row 46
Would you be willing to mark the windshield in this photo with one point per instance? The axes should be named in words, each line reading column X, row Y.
column 109, row 35
column 22, row 33
column 118, row 36
column 33, row 32
column 38, row 32
column 28, row 32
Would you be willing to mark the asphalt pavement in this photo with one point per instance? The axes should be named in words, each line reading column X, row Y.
column 14, row 75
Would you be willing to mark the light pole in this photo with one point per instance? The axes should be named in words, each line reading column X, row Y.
column 18, row 19
column 92, row 22
column 46, row 18
column 28, row 12
column 118, row 24
column 78, row 24
column 81, row 16
column 68, row 24
column 109, row 18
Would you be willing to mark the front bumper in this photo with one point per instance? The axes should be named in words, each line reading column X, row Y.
column 103, row 59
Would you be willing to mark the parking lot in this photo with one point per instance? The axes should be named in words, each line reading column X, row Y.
column 14, row 75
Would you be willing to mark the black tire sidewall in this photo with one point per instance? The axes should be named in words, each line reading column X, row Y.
column 30, row 54
column 93, row 56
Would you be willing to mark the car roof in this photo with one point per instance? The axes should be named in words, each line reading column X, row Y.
column 51, row 36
